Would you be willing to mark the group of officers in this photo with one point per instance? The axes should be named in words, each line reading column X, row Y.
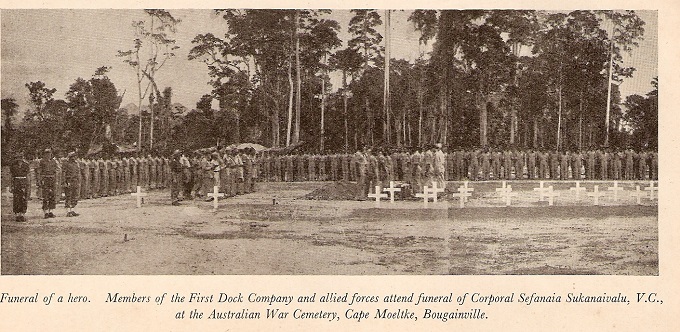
column 235, row 172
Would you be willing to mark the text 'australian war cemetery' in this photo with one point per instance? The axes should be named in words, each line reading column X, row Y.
column 329, row 142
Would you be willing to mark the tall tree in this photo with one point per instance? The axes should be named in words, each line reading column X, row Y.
column 366, row 41
column 153, row 35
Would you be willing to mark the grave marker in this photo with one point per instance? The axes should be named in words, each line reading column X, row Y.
column 377, row 195
column 462, row 197
column 651, row 189
column 507, row 194
column 541, row 190
column 578, row 189
column 139, row 195
column 551, row 195
column 392, row 189
column 596, row 194
column 435, row 191
column 216, row 194
column 638, row 195
column 616, row 190
column 425, row 195
column 466, row 189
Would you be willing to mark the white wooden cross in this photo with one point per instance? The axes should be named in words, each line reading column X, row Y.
column 597, row 195
column 507, row 194
column 425, row 195
column 464, row 188
column 638, row 195
column 541, row 191
column 216, row 194
column 139, row 195
column 504, row 188
column 463, row 195
column 616, row 190
column 391, row 190
column 377, row 195
column 578, row 189
column 551, row 195
column 435, row 191
column 651, row 189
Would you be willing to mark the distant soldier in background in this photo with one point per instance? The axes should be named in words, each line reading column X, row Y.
column 629, row 171
column 111, row 167
column 187, row 176
column 345, row 165
column 439, row 162
column 240, row 172
column 335, row 160
column 405, row 161
column 531, row 164
column 590, row 174
column 655, row 165
column 248, row 171
column 604, row 164
column 300, row 164
column 507, row 164
column 134, row 173
column 382, row 170
column 322, row 160
column 617, row 164
column 311, row 167
column 642, row 165
column 486, row 164
column 416, row 166
column 20, row 186
column 290, row 169
column 58, row 190
column 71, row 184
column 176, row 170
column 353, row 169
column 554, row 165
column 564, row 165
column 543, row 164
column 196, row 174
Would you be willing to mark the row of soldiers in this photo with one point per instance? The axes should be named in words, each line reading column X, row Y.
column 196, row 174
column 402, row 165
column 99, row 177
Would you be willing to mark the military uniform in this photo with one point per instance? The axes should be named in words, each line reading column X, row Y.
column 71, row 184
column 48, row 172
column 20, row 187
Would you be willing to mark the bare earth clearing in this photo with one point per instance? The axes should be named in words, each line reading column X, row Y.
column 249, row 235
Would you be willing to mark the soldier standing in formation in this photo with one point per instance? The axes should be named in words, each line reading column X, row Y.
column 438, row 164
column 71, row 184
column 47, row 170
column 20, row 186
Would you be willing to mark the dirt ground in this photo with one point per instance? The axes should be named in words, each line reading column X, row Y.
column 250, row 235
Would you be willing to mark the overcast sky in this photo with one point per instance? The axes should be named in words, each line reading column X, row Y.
column 58, row 46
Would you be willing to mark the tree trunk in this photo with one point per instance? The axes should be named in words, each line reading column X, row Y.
column 535, row 141
column 483, row 122
column 323, row 101
column 559, row 116
column 386, row 90
column 298, row 97
column 290, row 101
column 344, row 106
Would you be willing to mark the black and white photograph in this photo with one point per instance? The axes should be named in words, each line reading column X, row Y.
column 341, row 142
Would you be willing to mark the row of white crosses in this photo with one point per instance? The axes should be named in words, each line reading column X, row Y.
column 426, row 194
column 506, row 193
column 216, row 194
